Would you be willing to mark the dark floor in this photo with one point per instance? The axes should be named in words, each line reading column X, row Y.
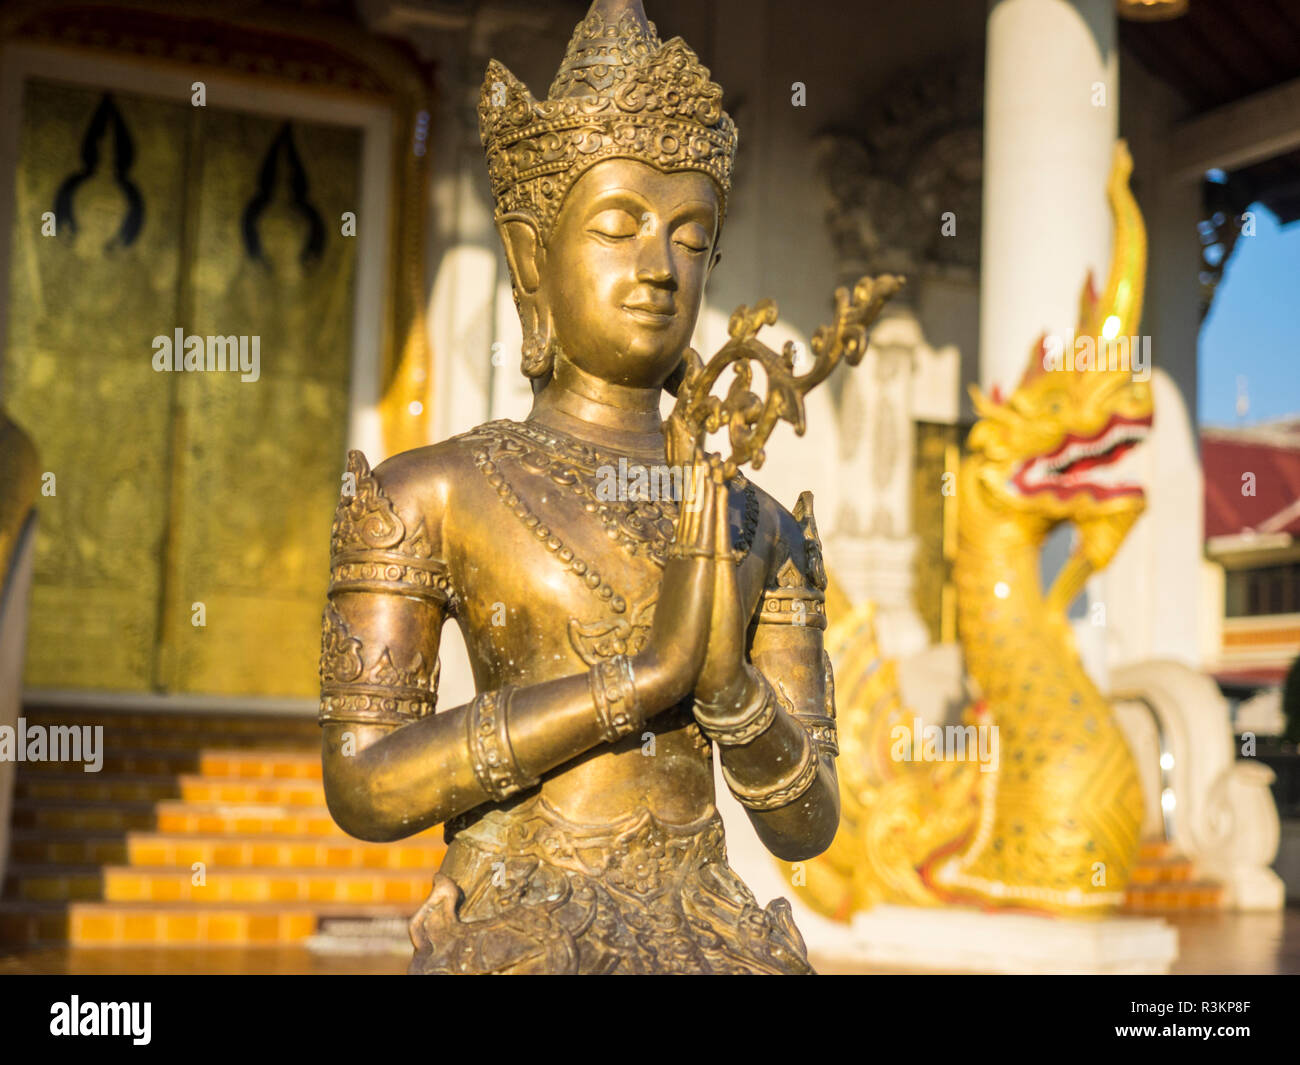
column 1228, row 944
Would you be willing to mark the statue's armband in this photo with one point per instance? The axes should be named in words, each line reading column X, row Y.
column 388, row 598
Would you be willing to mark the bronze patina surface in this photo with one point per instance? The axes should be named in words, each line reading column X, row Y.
column 615, row 636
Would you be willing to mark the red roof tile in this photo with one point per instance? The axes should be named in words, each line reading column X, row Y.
column 1227, row 455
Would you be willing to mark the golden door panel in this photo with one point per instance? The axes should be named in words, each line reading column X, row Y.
column 179, row 488
column 258, row 461
column 84, row 304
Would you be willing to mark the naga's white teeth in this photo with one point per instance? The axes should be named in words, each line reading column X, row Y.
column 1113, row 438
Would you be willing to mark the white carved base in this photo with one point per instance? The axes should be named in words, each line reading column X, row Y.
column 1224, row 816
column 950, row 939
column 1256, row 889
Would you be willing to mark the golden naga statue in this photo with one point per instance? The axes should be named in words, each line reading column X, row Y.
column 1051, row 823
column 614, row 636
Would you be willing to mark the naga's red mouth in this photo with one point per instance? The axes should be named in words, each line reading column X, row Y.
column 1085, row 463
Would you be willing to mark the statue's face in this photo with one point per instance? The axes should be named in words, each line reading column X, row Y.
column 625, row 267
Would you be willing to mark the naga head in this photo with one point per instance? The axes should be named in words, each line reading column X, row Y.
column 1050, row 451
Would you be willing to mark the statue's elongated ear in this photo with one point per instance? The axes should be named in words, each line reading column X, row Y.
column 524, row 250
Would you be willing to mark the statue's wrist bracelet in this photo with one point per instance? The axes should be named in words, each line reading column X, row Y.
column 613, row 693
column 734, row 700
column 786, row 789
column 735, row 727
column 487, row 726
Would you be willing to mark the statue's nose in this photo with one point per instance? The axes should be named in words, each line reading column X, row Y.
column 655, row 261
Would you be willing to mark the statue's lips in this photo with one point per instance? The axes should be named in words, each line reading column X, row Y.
column 650, row 315
column 1072, row 467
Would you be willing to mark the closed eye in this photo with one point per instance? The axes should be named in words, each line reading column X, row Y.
column 613, row 225
column 692, row 237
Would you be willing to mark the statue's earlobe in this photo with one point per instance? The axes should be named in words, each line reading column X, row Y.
column 525, row 254
column 523, row 251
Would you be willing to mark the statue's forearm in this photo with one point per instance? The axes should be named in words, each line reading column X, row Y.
column 774, row 720
column 777, row 769
column 398, row 782
column 804, row 826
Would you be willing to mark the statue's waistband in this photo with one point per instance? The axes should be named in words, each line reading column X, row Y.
column 535, row 828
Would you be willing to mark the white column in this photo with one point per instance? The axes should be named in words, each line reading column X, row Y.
column 1051, row 111
column 1051, row 106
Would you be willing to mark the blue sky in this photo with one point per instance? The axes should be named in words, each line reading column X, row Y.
column 1253, row 329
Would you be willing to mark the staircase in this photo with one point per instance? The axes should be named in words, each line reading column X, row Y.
column 1165, row 881
column 200, row 829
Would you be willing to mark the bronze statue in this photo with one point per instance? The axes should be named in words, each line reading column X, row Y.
column 615, row 636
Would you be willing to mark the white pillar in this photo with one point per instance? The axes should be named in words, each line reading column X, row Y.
column 1051, row 111
column 1051, row 106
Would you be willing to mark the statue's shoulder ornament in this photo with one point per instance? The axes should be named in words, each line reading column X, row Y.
column 385, row 540
column 373, row 548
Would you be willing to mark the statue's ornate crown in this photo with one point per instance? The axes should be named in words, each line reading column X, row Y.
column 620, row 93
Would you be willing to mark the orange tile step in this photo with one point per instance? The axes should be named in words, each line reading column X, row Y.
column 74, row 815
column 1164, row 871
column 105, row 924
column 28, row 924
column 195, row 723
column 161, row 739
column 125, row 883
column 1155, row 850
column 125, row 761
column 275, row 763
column 117, row 924
column 1197, row 895
column 139, row 739
column 259, row 792
column 122, row 883
column 34, row 847
column 96, row 787
column 237, row 819
column 423, row 852
column 52, row 883
column 260, row 765
column 252, row 819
